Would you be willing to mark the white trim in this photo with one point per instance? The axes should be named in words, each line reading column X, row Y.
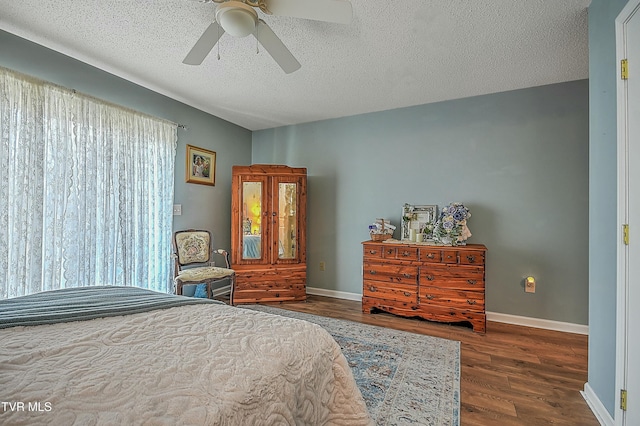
column 491, row 316
column 597, row 407
column 335, row 294
column 622, row 212
column 546, row 324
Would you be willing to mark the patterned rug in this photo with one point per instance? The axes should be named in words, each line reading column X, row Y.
column 405, row 378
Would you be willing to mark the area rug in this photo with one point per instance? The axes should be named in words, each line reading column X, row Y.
column 405, row 378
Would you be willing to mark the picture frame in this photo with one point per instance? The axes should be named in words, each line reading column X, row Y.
column 201, row 166
column 417, row 218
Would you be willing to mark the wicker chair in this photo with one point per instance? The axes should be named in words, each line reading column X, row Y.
column 193, row 247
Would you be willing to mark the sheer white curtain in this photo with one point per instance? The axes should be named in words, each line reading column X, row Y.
column 86, row 191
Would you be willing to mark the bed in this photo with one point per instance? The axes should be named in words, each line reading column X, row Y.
column 123, row 355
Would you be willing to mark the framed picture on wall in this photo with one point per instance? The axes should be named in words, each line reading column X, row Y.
column 201, row 166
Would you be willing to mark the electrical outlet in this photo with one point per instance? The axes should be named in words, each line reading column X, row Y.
column 530, row 285
column 322, row 266
column 177, row 209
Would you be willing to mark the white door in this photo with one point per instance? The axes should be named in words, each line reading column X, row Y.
column 633, row 192
column 631, row 203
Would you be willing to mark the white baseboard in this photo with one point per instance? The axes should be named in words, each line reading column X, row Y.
column 335, row 294
column 491, row 316
column 546, row 324
column 596, row 406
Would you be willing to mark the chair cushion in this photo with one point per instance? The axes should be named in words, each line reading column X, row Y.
column 203, row 274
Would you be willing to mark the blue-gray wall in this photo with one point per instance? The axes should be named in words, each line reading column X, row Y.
column 518, row 160
column 602, row 199
column 203, row 207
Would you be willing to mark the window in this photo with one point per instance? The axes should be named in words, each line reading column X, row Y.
column 86, row 191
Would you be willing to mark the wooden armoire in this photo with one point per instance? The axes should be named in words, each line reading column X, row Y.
column 268, row 233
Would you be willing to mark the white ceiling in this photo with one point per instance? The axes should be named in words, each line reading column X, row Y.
column 395, row 53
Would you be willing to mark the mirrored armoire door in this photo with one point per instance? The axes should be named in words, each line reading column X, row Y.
column 286, row 217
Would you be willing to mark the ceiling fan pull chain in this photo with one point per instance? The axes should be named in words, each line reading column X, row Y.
column 218, row 30
column 257, row 45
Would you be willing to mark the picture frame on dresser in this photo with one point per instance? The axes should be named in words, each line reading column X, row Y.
column 416, row 217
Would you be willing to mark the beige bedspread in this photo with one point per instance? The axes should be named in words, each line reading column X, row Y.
column 190, row 365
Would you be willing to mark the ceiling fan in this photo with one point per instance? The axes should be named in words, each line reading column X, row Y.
column 239, row 18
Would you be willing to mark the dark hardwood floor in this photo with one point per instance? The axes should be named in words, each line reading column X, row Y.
column 512, row 375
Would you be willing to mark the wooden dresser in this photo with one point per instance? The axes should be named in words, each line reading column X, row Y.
column 438, row 283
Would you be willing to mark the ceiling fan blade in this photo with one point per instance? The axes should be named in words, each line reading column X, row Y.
column 203, row 46
column 278, row 51
column 338, row 11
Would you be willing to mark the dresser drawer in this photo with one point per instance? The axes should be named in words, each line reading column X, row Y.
column 471, row 257
column 390, row 273
column 448, row 272
column 455, row 283
column 372, row 251
column 395, row 292
column 459, row 299
column 463, row 256
column 450, row 256
column 430, row 254
column 400, row 253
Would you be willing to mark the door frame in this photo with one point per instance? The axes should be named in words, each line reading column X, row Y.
column 622, row 210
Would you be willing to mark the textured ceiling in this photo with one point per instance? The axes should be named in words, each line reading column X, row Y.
column 395, row 53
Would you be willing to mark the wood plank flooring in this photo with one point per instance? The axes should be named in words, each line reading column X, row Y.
column 512, row 375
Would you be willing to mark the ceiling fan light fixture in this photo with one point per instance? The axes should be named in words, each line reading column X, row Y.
column 236, row 18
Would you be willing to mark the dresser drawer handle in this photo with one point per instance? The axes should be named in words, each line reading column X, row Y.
column 372, row 289
column 431, row 255
column 406, row 293
column 372, row 272
column 373, row 251
column 406, row 275
column 390, row 251
column 430, row 296
column 471, row 258
column 472, row 282
column 396, row 278
column 430, row 277
column 471, row 302
column 406, row 253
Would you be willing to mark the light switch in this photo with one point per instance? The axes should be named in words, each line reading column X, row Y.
column 177, row 209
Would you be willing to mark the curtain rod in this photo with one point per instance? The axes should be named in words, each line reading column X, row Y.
column 74, row 91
